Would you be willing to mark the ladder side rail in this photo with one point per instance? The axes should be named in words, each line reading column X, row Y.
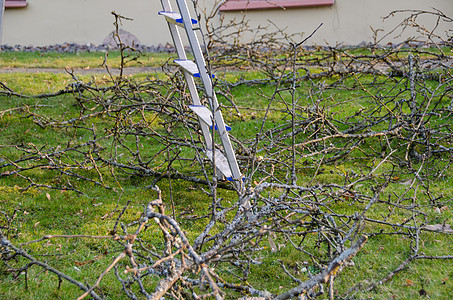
column 207, row 83
column 226, row 142
column 195, row 45
column 179, row 46
column 176, row 37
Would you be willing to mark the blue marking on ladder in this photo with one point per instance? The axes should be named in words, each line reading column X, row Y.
column 180, row 20
column 228, row 128
column 231, row 179
column 199, row 76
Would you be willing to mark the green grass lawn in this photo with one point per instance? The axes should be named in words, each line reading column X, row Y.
column 28, row 214
column 77, row 60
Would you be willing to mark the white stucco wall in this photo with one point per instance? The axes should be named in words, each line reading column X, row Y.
column 46, row 22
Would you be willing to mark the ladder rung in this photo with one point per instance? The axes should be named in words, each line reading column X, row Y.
column 205, row 115
column 189, row 66
column 175, row 18
column 221, row 163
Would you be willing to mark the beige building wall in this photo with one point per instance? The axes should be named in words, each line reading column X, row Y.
column 348, row 22
column 47, row 22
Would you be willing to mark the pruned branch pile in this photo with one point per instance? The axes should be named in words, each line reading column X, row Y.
column 346, row 147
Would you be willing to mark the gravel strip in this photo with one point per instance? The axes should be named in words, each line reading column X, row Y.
column 74, row 48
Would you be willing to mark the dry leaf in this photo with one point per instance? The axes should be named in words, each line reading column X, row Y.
column 441, row 209
column 348, row 195
column 190, row 217
column 79, row 264
column 82, row 263
column 440, row 228
column 272, row 244
column 409, row 282
column 48, row 196
column 406, row 182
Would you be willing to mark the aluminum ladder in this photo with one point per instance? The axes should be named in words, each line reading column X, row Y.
column 225, row 161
